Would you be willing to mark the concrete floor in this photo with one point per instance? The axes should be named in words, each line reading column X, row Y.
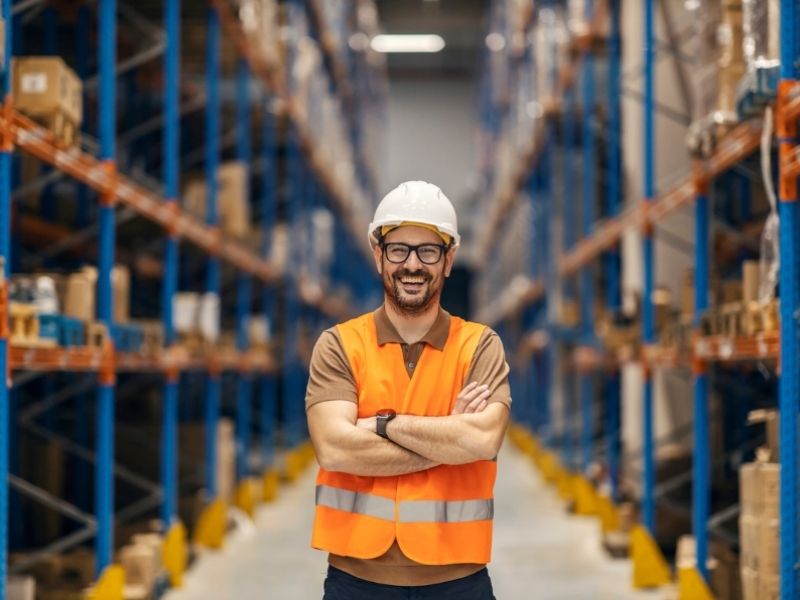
column 539, row 551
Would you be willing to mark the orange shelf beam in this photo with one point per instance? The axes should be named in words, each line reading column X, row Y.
column 90, row 359
column 722, row 348
column 738, row 144
column 39, row 142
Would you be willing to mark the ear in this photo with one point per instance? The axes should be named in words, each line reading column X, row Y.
column 377, row 254
column 449, row 259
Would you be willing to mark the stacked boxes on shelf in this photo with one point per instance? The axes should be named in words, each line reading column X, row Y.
column 48, row 91
column 759, row 521
column 234, row 210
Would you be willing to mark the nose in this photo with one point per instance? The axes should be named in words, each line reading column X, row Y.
column 413, row 262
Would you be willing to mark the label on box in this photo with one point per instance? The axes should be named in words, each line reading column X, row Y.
column 34, row 83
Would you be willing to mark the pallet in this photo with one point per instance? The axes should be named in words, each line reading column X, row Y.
column 23, row 324
column 64, row 130
column 153, row 336
column 96, row 334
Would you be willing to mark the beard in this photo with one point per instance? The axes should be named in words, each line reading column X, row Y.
column 406, row 304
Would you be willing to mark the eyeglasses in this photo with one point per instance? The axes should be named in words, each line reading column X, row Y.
column 428, row 254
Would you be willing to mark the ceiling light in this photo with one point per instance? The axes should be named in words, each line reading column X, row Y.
column 407, row 43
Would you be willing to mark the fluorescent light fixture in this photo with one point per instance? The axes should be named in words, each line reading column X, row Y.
column 407, row 43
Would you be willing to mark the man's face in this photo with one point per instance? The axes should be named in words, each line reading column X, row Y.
column 412, row 287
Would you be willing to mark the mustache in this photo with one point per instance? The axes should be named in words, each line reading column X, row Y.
column 409, row 273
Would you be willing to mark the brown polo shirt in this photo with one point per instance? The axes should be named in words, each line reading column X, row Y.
column 330, row 378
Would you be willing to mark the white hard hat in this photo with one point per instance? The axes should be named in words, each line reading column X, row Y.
column 415, row 202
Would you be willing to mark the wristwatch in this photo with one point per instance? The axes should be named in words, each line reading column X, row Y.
column 382, row 417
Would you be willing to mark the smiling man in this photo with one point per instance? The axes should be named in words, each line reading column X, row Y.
column 407, row 408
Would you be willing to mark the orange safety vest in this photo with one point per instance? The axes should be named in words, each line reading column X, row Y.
column 439, row 516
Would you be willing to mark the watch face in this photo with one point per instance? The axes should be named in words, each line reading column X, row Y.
column 385, row 412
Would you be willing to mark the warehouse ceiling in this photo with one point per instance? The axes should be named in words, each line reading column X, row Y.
column 459, row 22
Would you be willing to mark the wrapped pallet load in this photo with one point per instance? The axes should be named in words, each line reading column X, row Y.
column 719, row 66
column 761, row 47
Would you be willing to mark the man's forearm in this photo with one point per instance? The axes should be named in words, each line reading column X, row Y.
column 452, row 440
column 361, row 452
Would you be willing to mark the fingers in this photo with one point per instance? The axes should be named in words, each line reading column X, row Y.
column 480, row 401
column 473, row 398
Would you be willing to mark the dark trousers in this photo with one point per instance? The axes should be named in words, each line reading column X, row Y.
column 342, row 586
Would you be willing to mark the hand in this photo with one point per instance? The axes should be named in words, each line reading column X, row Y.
column 473, row 398
column 367, row 423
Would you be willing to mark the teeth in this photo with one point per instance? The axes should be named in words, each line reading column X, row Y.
column 413, row 279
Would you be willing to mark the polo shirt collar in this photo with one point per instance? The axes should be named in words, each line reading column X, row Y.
column 436, row 336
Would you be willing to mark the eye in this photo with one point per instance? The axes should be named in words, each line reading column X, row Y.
column 429, row 253
column 396, row 251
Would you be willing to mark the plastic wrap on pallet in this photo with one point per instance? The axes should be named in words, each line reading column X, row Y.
column 550, row 48
column 731, row 61
column 761, row 33
column 260, row 23
column 719, row 66
column 576, row 17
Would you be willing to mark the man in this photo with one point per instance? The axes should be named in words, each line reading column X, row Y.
column 407, row 408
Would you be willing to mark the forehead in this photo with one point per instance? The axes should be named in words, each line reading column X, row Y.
column 410, row 234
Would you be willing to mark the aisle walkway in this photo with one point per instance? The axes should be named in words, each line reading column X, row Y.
column 539, row 552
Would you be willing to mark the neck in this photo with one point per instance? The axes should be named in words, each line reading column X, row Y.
column 412, row 328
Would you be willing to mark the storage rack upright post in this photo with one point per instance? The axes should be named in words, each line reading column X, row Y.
column 101, row 175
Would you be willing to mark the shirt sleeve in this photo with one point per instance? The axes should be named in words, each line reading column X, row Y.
column 329, row 374
column 489, row 367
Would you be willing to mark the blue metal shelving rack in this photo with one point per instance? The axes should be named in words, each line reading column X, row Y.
column 788, row 391
column 6, row 149
column 601, row 240
column 111, row 194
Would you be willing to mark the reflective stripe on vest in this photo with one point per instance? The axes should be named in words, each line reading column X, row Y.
column 445, row 511
column 410, row 511
column 355, row 502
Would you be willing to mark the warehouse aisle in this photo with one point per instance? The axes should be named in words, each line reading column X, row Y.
column 540, row 553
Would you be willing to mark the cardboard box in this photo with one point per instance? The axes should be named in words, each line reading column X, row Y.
column 749, row 526
column 234, row 205
column 142, row 565
column 725, row 579
column 770, row 486
column 769, row 587
column 749, row 584
column 21, row 587
column 47, row 90
column 192, row 452
column 81, row 289
column 569, row 313
column 769, row 545
column 751, row 278
column 43, row 85
column 750, row 489
column 687, row 293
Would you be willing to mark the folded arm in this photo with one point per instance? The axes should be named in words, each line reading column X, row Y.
column 455, row 439
column 342, row 446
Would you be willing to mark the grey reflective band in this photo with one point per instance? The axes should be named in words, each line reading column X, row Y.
column 442, row 511
column 356, row 502
column 410, row 511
